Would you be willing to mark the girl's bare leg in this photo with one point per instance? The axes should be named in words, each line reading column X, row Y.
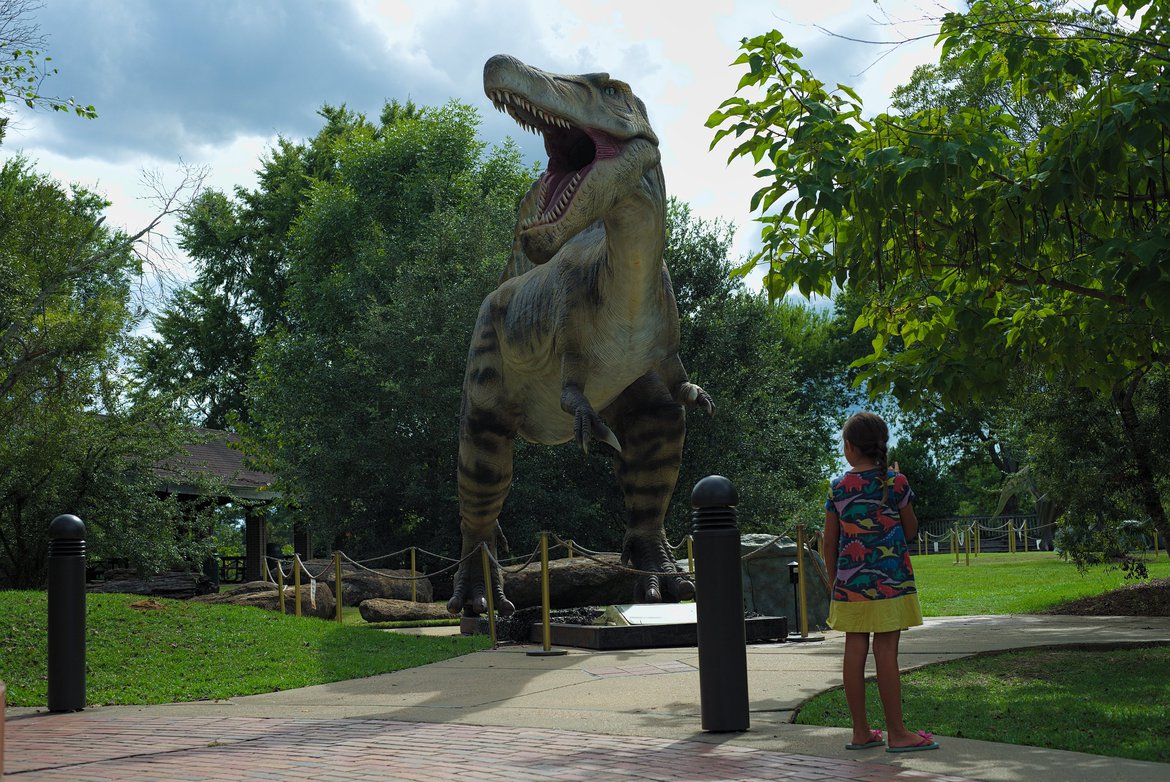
column 885, row 657
column 853, row 674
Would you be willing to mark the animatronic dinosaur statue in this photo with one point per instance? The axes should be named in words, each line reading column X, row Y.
column 584, row 321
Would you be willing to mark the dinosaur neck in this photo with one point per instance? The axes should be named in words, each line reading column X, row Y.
column 635, row 236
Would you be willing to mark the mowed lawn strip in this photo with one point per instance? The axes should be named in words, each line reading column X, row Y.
column 1011, row 583
column 190, row 651
column 1108, row 702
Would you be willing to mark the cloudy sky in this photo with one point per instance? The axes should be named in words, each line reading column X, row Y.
column 214, row 82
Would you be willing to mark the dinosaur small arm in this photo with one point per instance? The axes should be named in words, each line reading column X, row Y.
column 580, row 339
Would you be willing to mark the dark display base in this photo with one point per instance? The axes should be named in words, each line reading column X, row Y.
column 760, row 629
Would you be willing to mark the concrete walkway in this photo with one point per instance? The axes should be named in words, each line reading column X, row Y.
column 503, row 715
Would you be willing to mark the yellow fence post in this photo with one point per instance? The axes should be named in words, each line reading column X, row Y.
column 337, row 580
column 1025, row 537
column 955, row 542
column 1011, row 538
column 978, row 539
column 691, row 553
column 280, row 585
column 297, row 581
column 413, row 577
column 800, row 585
column 487, row 588
column 967, row 545
column 570, row 547
column 545, row 604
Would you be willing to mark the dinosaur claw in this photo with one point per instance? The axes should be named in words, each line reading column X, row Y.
column 611, row 440
column 707, row 405
column 588, row 427
column 692, row 395
column 682, row 589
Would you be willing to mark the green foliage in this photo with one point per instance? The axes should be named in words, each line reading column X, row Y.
column 24, row 66
column 182, row 651
column 1011, row 697
column 772, row 370
column 72, row 444
column 985, row 237
column 202, row 341
column 985, row 249
column 356, row 393
column 382, row 241
column 1079, row 457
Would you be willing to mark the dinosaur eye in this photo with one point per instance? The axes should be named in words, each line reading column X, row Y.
column 611, row 90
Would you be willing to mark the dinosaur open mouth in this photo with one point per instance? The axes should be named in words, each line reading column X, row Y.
column 572, row 152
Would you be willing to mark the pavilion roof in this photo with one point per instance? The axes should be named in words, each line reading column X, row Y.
column 216, row 454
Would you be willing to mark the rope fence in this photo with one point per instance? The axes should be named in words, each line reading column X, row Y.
column 279, row 571
column 959, row 540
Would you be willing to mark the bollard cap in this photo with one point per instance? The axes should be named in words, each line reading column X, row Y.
column 67, row 527
column 714, row 491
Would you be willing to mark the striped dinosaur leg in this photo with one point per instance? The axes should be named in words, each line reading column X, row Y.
column 486, row 435
column 651, row 427
column 485, row 475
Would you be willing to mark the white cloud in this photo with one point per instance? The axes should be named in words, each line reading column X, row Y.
column 213, row 83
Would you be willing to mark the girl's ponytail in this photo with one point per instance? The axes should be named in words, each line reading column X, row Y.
column 883, row 463
column 869, row 434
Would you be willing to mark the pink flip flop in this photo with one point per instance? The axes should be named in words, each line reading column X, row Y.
column 875, row 740
column 927, row 742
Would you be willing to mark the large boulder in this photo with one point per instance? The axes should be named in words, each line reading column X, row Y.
column 767, row 586
column 360, row 584
column 575, row 582
column 263, row 594
column 384, row 610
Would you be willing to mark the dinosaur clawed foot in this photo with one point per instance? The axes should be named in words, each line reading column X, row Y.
column 692, row 395
column 663, row 589
column 477, row 604
column 470, row 597
column 591, row 431
column 665, row 584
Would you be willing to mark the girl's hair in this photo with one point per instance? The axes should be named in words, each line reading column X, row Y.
column 869, row 434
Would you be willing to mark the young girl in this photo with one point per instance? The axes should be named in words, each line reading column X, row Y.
column 868, row 519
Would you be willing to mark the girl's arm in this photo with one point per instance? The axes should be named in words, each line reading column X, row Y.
column 832, row 541
column 909, row 521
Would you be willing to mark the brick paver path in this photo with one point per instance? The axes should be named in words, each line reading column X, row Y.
column 97, row 748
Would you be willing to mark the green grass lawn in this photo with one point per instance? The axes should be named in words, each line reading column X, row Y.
column 1060, row 699
column 1063, row 699
column 190, row 651
column 1011, row 583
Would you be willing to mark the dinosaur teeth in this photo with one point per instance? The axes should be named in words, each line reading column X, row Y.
column 506, row 101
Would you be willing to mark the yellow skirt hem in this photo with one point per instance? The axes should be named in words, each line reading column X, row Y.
column 875, row 616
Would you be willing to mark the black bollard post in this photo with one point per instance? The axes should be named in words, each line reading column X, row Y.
column 723, row 687
column 66, row 614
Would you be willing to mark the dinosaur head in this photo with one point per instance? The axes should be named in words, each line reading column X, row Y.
column 599, row 143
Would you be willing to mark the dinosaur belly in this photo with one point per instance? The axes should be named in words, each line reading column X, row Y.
column 545, row 422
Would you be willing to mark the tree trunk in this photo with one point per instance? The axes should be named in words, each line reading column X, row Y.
column 1140, row 445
